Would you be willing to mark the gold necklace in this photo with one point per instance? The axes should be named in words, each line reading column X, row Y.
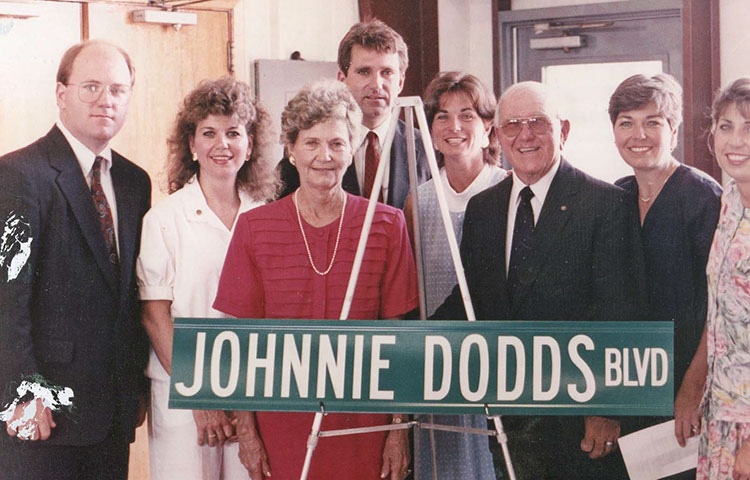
column 304, row 237
column 666, row 177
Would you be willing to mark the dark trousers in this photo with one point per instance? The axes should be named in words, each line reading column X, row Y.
column 36, row 460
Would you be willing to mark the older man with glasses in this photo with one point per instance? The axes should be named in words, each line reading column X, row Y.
column 550, row 243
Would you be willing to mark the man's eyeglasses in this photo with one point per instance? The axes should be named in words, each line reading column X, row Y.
column 537, row 125
column 89, row 92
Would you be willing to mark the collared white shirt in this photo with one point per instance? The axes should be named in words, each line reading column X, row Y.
column 540, row 189
column 359, row 156
column 183, row 245
column 86, row 159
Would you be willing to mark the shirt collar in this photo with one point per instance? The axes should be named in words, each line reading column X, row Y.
column 85, row 156
column 196, row 202
column 380, row 131
column 540, row 188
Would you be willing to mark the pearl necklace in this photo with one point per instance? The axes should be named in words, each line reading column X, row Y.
column 666, row 177
column 304, row 237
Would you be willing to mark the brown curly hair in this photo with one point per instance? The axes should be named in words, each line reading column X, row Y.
column 226, row 97
column 482, row 99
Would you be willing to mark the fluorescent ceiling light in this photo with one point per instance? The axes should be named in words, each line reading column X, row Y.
column 165, row 17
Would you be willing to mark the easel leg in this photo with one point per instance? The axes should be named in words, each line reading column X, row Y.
column 433, row 450
column 502, row 439
column 312, row 442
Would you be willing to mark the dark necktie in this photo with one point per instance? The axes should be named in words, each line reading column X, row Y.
column 522, row 230
column 372, row 158
column 102, row 208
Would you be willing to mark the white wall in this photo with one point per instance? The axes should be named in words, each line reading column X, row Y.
column 735, row 39
column 465, row 36
column 273, row 29
column 527, row 4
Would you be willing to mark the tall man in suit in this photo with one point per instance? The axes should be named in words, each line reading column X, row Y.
column 373, row 59
column 550, row 243
column 68, row 304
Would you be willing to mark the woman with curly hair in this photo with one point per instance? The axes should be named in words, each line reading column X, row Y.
column 220, row 165
column 724, row 448
column 292, row 259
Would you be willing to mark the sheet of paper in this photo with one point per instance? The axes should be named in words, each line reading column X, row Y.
column 654, row 453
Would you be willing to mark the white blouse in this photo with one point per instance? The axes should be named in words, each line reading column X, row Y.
column 183, row 245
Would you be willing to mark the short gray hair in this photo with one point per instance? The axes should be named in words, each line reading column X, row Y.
column 317, row 103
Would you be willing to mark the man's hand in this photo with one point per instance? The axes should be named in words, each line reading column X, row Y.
column 31, row 421
column 601, row 436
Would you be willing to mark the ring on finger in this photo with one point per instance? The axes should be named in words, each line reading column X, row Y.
column 609, row 444
column 694, row 428
column 213, row 435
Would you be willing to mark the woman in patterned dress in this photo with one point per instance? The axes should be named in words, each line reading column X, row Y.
column 724, row 451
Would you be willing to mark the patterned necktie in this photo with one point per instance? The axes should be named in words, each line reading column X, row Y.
column 372, row 158
column 522, row 231
column 102, row 208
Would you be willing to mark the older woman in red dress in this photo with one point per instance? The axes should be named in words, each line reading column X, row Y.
column 292, row 259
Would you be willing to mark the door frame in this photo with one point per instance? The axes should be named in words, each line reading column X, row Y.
column 701, row 67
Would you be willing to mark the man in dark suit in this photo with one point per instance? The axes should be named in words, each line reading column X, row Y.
column 373, row 59
column 550, row 243
column 68, row 306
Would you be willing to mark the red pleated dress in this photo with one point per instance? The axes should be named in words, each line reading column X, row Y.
column 267, row 274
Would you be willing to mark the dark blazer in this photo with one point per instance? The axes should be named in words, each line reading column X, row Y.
column 67, row 315
column 398, row 186
column 586, row 263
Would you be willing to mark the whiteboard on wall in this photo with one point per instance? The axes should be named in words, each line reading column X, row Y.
column 277, row 81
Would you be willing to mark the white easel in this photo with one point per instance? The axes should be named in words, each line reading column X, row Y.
column 412, row 105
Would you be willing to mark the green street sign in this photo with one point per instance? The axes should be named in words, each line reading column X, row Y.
column 512, row 367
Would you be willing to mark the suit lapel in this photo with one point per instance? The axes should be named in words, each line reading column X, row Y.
column 498, row 231
column 555, row 214
column 349, row 182
column 73, row 186
column 127, row 218
column 398, row 181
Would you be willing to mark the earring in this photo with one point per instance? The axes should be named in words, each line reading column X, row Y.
column 195, row 157
column 247, row 157
column 485, row 142
column 292, row 160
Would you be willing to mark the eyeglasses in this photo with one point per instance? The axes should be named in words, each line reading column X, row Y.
column 537, row 125
column 90, row 92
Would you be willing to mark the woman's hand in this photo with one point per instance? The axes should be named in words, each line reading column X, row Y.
column 396, row 455
column 214, row 427
column 687, row 420
column 741, row 469
column 252, row 451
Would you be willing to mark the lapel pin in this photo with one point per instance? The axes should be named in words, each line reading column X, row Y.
column 564, row 207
